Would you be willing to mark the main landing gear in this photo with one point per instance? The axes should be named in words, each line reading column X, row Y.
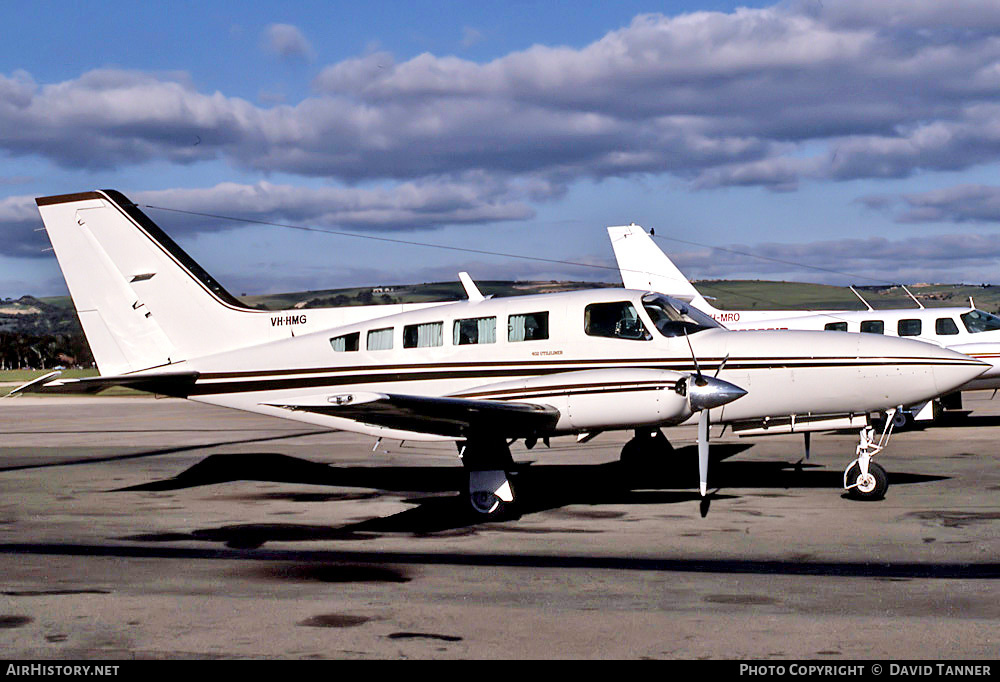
column 645, row 448
column 488, row 464
column 863, row 478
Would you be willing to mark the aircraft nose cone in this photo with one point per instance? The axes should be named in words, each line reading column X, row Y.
column 928, row 370
column 962, row 370
column 704, row 393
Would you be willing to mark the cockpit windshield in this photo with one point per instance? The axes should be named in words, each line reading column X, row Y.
column 672, row 317
column 980, row 321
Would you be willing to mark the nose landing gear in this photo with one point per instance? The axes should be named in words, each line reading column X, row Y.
column 863, row 478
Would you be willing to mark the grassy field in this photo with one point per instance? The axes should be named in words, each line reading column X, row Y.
column 10, row 378
column 765, row 295
column 22, row 375
column 724, row 294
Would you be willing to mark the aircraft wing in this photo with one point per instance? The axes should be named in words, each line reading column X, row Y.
column 444, row 416
column 175, row 384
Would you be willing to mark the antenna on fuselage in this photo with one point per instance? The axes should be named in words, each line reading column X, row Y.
column 919, row 304
column 862, row 298
column 471, row 290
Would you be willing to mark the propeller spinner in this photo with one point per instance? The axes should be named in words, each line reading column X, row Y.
column 705, row 393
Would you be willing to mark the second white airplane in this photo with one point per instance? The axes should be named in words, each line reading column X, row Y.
column 481, row 372
column 966, row 330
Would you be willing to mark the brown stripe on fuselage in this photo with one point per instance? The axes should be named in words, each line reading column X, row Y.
column 679, row 364
column 373, row 377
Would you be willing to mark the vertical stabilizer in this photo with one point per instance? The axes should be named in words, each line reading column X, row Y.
column 142, row 301
column 645, row 267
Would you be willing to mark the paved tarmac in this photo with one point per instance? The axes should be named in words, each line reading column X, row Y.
column 134, row 528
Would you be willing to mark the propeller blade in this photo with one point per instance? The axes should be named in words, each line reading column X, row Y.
column 703, row 451
column 697, row 368
column 723, row 364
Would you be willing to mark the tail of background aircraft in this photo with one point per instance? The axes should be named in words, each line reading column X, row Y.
column 645, row 267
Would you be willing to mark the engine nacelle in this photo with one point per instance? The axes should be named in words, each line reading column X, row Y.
column 601, row 398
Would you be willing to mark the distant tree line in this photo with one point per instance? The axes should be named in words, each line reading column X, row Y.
column 29, row 351
column 49, row 338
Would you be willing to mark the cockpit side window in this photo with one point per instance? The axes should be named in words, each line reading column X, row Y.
column 675, row 318
column 873, row 327
column 618, row 320
column 980, row 321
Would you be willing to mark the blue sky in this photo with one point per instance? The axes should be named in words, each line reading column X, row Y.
column 850, row 136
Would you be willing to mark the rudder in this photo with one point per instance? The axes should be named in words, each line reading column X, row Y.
column 143, row 302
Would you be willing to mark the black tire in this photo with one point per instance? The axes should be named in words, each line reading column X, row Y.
column 870, row 490
column 634, row 453
column 902, row 420
column 645, row 450
column 488, row 507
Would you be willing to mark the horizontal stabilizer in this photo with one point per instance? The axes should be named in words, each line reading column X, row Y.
column 175, row 384
column 453, row 417
column 27, row 388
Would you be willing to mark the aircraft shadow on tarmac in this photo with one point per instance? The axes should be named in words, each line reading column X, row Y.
column 439, row 509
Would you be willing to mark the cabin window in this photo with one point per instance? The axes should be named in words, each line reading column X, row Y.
column 380, row 339
column 873, row 327
column 945, row 326
column 617, row 320
column 528, row 327
column 911, row 327
column 475, row 330
column 423, row 335
column 347, row 342
column 835, row 327
column 979, row 321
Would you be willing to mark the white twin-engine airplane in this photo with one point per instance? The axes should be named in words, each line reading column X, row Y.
column 482, row 372
column 966, row 330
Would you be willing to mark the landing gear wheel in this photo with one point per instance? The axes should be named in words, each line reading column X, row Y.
column 900, row 420
column 489, row 466
column 645, row 449
column 634, row 453
column 491, row 495
column 869, row 488
column 485, row 503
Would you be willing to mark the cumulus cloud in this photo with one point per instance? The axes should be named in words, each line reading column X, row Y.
column 19, row 228
column 876, row 260
column 958, row 204
column 287, row 41
column 111, row 117
column 768, row 97
column 405, row 206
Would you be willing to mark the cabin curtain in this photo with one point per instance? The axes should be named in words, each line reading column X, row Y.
column 380, row 339
column 487, row 327
column 430, row 334
column 515, row 327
